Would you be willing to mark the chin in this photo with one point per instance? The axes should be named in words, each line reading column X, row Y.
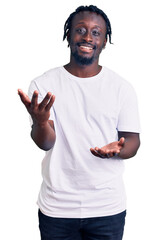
column 82, row 60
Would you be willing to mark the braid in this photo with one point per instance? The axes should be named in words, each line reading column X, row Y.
column 90, row 8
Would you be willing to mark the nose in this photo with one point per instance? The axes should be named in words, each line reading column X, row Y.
column 87, row 36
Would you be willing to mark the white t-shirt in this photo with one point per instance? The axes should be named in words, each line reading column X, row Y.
column 87, row 112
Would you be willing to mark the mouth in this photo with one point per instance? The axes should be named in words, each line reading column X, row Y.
column 87, row 48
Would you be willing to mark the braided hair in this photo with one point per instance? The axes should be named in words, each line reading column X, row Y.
column 90, row 8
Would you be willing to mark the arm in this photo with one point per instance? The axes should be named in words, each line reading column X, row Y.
column 125, row 148
column 131, row 144
column 43, row 133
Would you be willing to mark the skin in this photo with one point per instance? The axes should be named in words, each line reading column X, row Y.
column 43, row 132
column 87, row 39
column 88, row 29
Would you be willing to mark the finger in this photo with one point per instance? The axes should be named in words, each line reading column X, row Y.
column 24, row 98
column 110, row 154
column 34, row 100
column 106, row 153
column 94, row 152
column 49, row 105
column 121, row 141
column 116, row 154
column 44, row 102
column 101, row 152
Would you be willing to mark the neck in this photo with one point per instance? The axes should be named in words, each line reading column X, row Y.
column 83, row 71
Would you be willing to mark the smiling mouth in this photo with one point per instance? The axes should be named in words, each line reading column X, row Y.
column 86, row 47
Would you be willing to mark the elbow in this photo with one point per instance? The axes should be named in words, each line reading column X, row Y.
column 46, row 146
column 137, row 146
column 131, row 151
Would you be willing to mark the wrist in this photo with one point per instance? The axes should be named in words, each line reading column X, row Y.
column 41, row 124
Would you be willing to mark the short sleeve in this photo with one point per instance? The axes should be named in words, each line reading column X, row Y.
column 128, row 118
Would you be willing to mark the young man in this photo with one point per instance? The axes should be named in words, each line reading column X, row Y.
column 86, row 132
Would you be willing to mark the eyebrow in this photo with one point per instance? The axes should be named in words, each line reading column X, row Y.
column 84, row 23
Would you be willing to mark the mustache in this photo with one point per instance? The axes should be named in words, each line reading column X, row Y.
column 86, row 44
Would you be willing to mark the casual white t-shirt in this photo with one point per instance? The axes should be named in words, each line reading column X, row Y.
column 87, row 112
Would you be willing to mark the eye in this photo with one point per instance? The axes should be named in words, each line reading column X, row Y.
column 81, row 31
column 95, row 32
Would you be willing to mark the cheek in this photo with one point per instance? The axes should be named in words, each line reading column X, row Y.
column 100, row 45
column 74, row 36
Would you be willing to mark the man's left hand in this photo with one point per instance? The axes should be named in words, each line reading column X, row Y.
column 110, row 150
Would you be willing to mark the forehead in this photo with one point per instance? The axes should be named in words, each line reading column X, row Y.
column 89, row 18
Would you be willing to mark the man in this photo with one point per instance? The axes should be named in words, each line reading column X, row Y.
column 86, row 132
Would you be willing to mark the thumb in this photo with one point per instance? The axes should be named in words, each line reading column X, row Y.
column 24, row 98
column 121, row 141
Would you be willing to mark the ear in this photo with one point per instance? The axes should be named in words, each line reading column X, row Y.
column 68, row 38
column 104, row 44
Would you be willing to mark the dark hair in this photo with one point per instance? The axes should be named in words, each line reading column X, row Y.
column 90, row 8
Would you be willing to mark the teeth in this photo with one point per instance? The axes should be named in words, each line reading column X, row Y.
column 86, row 47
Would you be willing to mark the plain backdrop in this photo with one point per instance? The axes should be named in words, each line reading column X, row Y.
column 30, row 44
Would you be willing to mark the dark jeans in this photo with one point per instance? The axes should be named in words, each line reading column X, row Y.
column 105, row 228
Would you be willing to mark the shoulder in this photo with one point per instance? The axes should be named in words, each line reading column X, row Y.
column 46, row 82
column 116, row 81
column 114, row 77
column 47, row 76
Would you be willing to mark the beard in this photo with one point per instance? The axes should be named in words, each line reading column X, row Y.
column 83, row 60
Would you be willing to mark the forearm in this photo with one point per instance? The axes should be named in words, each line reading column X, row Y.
column 43, row 135
column 130, row 148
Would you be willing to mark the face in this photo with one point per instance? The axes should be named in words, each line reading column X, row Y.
column 87, row 37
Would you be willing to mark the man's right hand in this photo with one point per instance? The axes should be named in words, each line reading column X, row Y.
column 40, row 113
column 43, row 132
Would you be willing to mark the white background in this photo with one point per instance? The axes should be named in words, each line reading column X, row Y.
column 31, row 43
